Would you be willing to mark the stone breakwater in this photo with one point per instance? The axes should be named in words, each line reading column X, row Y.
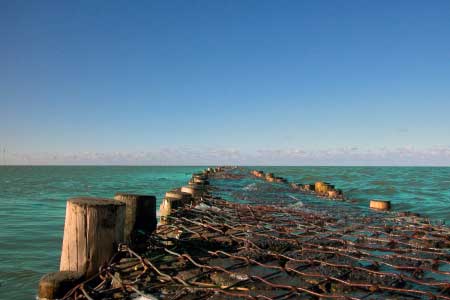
column 207, row 248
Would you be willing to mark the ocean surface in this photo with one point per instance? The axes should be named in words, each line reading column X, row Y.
column 32, row 203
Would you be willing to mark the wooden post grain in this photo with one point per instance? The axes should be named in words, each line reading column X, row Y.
column 93, row 229
column 140, row 214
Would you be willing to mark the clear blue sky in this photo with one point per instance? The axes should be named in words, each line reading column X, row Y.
column 271, row 82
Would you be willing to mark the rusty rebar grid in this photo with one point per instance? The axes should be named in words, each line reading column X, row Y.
column 222, row 250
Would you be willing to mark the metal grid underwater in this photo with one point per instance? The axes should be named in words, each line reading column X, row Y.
column 222, row 250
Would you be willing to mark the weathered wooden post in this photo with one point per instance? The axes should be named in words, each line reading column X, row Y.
column 178, row 194
column 56, row 285
column 322, row 188
column 308, row 187
column 280, row 180
column 173, row 200
column 269, row 175
column 380, row 204
column 195, row 190
column 167, row 205
column 200, row 176
column 140, row 214
column 295, row 186
column 333, row 194
column 196, row 180
column 93, row 229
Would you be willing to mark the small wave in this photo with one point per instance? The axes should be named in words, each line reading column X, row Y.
column 251, row 187
column 380, row 182
column 298, row 204
column 19, row 277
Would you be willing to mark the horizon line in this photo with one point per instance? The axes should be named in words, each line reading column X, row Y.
column 214, row 165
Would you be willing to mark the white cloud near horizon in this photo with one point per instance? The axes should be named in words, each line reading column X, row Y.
column 407, row 155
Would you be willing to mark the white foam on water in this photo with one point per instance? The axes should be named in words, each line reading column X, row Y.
column 298, row 204
column 250, row 187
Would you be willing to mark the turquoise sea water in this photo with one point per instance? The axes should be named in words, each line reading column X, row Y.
column 424, row 190
column 32, row 203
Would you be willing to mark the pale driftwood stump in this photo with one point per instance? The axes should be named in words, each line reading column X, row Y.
column 140, row 214
column 93, row 229
column 56, row 285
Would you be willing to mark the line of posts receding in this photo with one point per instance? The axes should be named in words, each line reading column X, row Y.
column 95, row 227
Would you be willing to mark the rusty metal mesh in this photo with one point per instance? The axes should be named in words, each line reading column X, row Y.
column 222, row 250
